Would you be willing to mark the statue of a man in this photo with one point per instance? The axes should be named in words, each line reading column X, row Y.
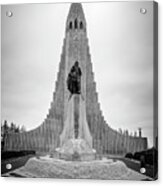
column 74, row 79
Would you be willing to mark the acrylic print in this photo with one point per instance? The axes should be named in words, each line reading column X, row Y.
column 78, row 96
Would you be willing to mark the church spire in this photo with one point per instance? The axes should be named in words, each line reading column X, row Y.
column 76, row 18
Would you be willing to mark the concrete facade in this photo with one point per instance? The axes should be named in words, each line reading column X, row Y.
column 47, row 136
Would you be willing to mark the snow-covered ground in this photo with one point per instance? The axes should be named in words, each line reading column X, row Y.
column 107, row 169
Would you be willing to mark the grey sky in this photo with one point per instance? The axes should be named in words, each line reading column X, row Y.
column 121, row 47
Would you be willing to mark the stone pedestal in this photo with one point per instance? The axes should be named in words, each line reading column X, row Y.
column 76, row 140
column 76, row 150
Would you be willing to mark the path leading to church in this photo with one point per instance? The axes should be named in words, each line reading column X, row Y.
column 98, row 169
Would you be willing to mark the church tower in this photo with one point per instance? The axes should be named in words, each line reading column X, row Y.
column 47, row 136
column 75, row 47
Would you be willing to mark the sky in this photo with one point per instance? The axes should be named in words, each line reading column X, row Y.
column 121, row 47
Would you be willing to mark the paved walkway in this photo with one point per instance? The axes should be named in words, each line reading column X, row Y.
column 97, row 169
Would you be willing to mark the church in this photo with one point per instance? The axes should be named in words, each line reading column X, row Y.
column 75, row 110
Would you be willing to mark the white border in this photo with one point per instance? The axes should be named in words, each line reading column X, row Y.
column 54, row 182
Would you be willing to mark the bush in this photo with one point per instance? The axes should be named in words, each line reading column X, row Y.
column 129, row 155
column 150, row 155
column 137, row 155
column 14, row 154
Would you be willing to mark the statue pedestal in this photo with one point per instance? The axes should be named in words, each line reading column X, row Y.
column 76, row 150
column 76, row 139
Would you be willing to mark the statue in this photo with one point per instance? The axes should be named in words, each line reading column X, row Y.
column 74, row 79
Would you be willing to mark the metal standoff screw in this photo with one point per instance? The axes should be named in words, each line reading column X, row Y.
column 142, row 170
column 8, row 166
column 9, row 14
column 143, row 10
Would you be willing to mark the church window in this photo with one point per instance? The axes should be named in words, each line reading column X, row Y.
column 70, row 25
column 81, row 25
column 76, row 23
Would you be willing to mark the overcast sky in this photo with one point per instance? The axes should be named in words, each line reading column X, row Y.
column 121, row 47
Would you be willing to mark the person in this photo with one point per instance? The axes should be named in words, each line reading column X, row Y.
column 74, row 79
